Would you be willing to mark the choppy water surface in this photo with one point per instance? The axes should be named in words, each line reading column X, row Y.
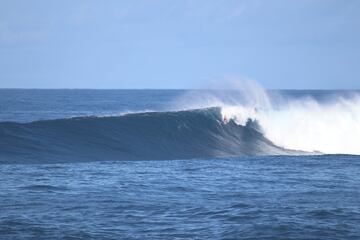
column 313, row 197
column 56, row 180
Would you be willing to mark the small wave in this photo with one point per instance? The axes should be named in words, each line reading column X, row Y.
column 43, row 188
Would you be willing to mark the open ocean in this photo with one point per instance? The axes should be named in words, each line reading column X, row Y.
column 179, row 164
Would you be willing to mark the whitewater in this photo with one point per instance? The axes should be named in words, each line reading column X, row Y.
column 330, row 127
column 314, row 121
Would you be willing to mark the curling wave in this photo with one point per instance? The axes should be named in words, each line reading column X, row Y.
column 199, row 133
column 310, row 121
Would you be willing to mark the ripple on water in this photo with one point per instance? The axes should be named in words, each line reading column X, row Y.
column 44, row 187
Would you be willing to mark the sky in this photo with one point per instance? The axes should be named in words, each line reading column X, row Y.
column 281, row 44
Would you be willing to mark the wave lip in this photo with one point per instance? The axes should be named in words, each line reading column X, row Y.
column 199, row 133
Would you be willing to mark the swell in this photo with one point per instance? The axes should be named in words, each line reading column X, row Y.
column 197, row 133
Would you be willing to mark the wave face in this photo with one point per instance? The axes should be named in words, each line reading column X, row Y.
column 141, row 136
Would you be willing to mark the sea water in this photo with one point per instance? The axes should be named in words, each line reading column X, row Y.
column 51, row 188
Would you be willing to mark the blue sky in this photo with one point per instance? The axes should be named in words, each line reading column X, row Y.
column 302, row 44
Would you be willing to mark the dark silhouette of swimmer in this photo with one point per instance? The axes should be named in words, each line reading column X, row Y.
column 225, row 119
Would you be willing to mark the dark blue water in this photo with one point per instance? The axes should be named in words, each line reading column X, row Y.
column 248, row 196
column 22, row 105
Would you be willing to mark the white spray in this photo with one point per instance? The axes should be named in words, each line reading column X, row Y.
column 331, row 127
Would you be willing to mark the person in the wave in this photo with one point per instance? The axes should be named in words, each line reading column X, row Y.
column 225, row 120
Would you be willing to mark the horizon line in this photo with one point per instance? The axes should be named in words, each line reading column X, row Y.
column 267, row 89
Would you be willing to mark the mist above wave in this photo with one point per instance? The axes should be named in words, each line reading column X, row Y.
column 328, row 122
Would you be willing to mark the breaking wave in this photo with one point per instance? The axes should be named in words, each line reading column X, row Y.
column 313, row 121
column 244, row 121
column 187, row 134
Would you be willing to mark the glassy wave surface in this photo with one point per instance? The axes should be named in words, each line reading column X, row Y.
column 200, row 133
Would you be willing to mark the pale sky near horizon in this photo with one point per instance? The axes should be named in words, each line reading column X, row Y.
column 282, row 44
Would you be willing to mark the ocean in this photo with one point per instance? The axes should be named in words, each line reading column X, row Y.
column 179, row 164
